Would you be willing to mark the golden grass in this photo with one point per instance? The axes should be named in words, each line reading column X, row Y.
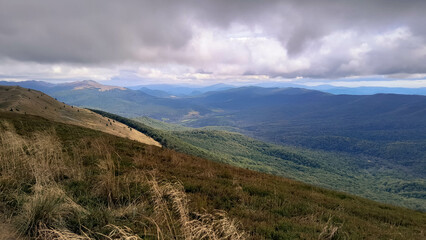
column 331, row 230
column 117, row 233
column 121, row 233
column 40, row 161
column 48, row 207
column 171, row 207
column 33, row 102
column 60, row 234
column 214, row 226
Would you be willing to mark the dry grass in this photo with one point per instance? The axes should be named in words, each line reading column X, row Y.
column 37, row 103
column 48, row 207
column 170, row 204
column 121, row 233
column 171, row 208
column 108, row 182
column 39, row 161
column 138, row 189
column 60, row 234
column 332, row 231
column 214, row 226
column 117, row 233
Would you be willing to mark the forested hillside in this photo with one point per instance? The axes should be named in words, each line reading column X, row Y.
column 378, row 179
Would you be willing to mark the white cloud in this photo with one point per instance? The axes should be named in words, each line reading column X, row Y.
column 20, row 71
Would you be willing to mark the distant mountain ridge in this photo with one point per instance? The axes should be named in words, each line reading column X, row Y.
column 163, row 90
column 366, row 90
column 386, row 131
column 88, row 84
column 385, row 126
column 50, row 87
column 371, row 90
column 170, row 90
column 290, row 104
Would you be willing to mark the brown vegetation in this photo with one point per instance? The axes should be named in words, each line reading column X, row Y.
column 59, row 181
column 20, row 100
column 46, row 210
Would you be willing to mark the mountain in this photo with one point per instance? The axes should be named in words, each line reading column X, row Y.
column 51, row 88
column 163, row 90
column 132, row 103
column 119, row 100
column 369, row 177
column 391, row 127
column 62, row 181
column 371, row 90
column 36, row 85
column 386, row 130
column 155, row 93
column 89, row 84
column 348, row 90
column 31, row 102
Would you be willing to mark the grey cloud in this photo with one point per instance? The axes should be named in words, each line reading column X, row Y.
column 88, row 31
column 101, row 32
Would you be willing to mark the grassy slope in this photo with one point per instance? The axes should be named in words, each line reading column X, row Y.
column 28, row 101
column 266, row 206
column 338, row 171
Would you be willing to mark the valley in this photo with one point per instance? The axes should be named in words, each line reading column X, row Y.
column 65, row 181
column 372, row 145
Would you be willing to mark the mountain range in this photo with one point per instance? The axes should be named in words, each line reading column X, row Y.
column 74, row 173
column 381, row 136
column 168, row 90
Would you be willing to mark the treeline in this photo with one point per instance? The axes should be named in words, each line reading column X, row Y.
column 358, row 174
column 165, row 138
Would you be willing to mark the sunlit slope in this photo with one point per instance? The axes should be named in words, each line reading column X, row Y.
column 32, row 102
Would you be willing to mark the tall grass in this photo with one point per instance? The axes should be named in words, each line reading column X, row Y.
column 171, row 208
column 99, row 186
column 33, row 170
column 38, row 159
column 47, row 208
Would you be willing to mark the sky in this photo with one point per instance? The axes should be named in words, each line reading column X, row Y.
column 136, row 42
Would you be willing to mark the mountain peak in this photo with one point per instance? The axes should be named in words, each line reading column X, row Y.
column 87, row 84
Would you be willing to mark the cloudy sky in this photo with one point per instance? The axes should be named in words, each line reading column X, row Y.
column 130, row 42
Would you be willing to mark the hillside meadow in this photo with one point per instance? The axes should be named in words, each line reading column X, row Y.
column 59, row 180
